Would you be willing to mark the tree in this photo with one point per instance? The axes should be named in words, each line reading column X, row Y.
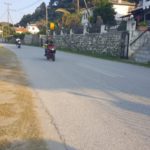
column 106, row 11
column 26, row 19
column 71, row 20
column 36, row 16
column 42, row 26
column 8, row 30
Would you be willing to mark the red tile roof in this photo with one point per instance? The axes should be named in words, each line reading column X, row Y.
column 21, row 30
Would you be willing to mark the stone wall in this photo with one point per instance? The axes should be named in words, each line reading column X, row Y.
column 139, row 43
column 104, row 43
column 96, row 43
column 32, row 40
column 140, row 47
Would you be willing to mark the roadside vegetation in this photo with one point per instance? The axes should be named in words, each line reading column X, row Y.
column 105, row 56
column 19, row 126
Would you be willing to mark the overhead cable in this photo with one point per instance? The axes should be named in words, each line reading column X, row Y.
column 29, row 6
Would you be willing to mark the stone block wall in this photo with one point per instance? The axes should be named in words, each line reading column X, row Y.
column 140, row 43
column 140, row 48
column 32, row 40
column 96, row 43
column 106, row 43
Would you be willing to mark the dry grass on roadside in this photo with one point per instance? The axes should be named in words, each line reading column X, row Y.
column 19, row 126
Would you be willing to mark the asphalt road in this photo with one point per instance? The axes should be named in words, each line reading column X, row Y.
column 93, row 104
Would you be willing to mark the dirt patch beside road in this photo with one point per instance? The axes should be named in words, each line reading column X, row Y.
column 19, row 126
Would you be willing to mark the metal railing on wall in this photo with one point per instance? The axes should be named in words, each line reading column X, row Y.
column 79, row 30
column 139, row 37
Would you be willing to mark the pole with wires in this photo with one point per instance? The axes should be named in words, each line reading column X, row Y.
column 46, row 11
column 8, row 15
column 8, row 11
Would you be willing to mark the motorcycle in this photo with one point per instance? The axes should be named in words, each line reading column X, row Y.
column 19, row 44
column 50, row 52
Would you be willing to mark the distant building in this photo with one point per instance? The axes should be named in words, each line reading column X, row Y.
column 86, row 13
column 1, row 33
column 144, row 4
column 32, row 28
column 21, row 30
column 142, row 11
column 122, row 8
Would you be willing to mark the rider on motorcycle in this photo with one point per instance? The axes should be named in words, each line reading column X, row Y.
column 49, row 45
column 18, row 42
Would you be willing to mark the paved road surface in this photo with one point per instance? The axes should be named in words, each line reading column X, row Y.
column 94, row 104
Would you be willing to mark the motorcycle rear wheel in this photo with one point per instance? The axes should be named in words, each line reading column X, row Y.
column 47, row 57
column 53, row 58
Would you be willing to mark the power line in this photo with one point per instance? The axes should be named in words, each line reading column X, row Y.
column 9, row 18
column 29, row 6
column 2, row 15
column 8, row 10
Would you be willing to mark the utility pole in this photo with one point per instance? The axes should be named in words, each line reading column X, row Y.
column 86, row 8
column 8, row 14
column 46, row 11
column 8, row 11
column 78, row 6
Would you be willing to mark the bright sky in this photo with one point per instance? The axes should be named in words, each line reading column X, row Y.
column 18, row 8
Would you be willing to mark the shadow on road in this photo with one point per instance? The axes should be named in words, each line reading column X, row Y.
column 58, row 76
column 133, row 106
column 120, row 102
column 33, row 144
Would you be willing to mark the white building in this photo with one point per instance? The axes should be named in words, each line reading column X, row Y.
column 1, row 32
column 86, row 13
column 144, row 4
column 142, row 11
column 122, row 8
column 32, row 28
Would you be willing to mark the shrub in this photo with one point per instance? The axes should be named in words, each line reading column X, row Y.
column 143, row 23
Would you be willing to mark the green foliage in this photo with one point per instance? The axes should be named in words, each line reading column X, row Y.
column 26, row 19
column 8, row 31
column 36, row 16
column 71, row 20
column 103, row 9
column 91, row 19
column 106, row 11
column 143, row 23
column 96, row 2
column 42, row 30
column 122, row 26
column 40, row 12
column 18, row 35
column 67, row 4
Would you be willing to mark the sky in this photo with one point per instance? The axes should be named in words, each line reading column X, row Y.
column 18, row 8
